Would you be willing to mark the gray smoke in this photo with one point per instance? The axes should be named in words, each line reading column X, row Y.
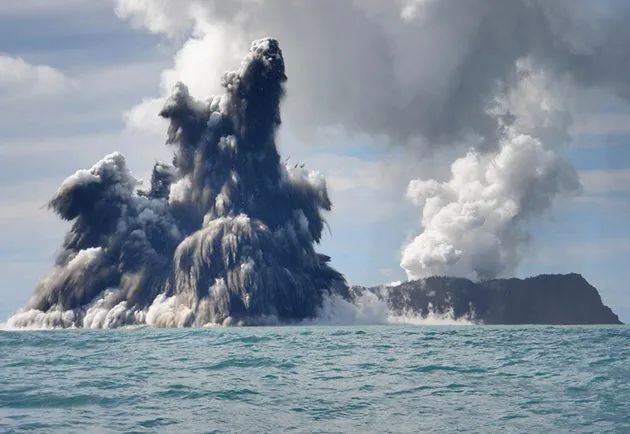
column 224, row 235
column 411, row 70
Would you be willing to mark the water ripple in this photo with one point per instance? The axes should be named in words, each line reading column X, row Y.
column 317, row 379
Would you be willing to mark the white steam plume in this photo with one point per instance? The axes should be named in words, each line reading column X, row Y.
column 474, row 224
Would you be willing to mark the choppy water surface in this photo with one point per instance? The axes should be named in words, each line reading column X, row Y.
column 317, row 379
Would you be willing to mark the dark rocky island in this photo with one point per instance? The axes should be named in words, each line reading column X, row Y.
column 544, row 299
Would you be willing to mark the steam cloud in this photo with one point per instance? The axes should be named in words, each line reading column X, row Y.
column 475, row 222
column 224, row 235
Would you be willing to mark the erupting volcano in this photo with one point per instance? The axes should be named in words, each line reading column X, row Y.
column 224, row 235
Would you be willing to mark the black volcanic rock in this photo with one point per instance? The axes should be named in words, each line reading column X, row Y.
column 544, row 299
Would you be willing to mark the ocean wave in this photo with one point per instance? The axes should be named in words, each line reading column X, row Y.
column 166, row 312
column 370, row 309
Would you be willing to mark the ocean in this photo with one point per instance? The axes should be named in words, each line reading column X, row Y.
column 396, row 378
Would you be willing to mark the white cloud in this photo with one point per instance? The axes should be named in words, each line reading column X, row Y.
column 145, row 117
column 158, row 16
column 19, row 79
column 199, row 63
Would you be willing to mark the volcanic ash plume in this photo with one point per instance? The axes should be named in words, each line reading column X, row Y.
column 475, row 222
column 224, row 235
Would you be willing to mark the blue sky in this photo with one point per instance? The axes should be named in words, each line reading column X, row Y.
column 105, row 66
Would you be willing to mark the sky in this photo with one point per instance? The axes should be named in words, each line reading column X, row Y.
column 379, row 94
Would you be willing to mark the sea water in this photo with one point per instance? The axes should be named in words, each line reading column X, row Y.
column 317, row 379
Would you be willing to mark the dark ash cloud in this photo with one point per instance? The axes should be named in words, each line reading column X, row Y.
column 224, row 235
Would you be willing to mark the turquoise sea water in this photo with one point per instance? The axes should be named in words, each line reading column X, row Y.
column 317, row 379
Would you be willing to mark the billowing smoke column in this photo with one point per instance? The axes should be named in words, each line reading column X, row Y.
column 225, row 235
column 474, row 224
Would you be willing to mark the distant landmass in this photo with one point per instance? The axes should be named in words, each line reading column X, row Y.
column 544, row 299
